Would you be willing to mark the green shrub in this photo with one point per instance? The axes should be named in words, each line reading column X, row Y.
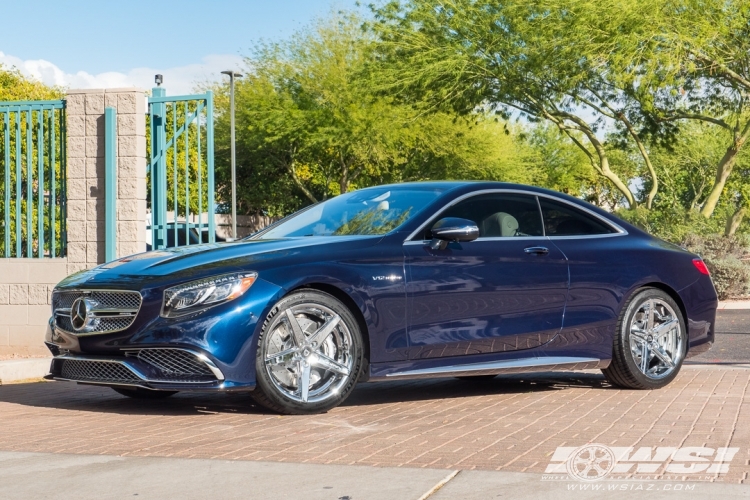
column 730, row 276
column 728, row 259
column 671, row 225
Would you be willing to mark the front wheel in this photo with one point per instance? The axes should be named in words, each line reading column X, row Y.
column 310, row 354
column 650, row 342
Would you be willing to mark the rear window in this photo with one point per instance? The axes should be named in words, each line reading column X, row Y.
column 561, row 219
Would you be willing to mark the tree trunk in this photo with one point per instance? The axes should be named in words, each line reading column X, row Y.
column 733, row 223
column 723, row 171
column 614, row 179
column 344, row 179
column 646, row 159
column 601, row 154
column 344, row 184
column 298, row 182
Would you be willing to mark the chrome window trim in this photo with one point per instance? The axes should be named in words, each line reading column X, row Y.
column 63, row 310
column 587, row 236
column 489, row 238
column 619, row 231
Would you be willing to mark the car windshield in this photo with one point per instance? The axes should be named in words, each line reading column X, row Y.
column 370, row 211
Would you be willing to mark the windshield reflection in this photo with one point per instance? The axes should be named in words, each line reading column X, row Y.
column 372, row 211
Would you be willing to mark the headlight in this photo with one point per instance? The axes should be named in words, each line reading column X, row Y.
column 199, row 295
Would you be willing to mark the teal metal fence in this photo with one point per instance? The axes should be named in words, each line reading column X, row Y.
column 110, row 184
column 181, row 169
column 32, row 173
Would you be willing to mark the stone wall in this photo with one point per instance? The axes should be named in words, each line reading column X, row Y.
column 25, row 289
column 26, row 284
column 85, row 155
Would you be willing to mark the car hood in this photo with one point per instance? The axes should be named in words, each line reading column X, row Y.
column 174, row 265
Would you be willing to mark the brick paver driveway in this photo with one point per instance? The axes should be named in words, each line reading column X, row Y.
column 510, row 423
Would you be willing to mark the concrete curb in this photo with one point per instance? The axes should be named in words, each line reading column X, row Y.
column 13, row 370
column 734, row 304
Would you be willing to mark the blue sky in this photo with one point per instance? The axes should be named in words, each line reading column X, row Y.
column 91, row 44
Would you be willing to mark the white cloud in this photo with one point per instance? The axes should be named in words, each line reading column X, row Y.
column 178, row 80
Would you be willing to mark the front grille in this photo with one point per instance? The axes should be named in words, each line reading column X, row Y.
column 101, row 325
column 97, row 371
column 175, row 362
column 113, row 310
column 106, row 299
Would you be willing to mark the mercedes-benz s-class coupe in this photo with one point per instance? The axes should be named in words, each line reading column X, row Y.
column 434, row 279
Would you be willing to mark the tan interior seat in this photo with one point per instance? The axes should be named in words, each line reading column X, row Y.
column 498, row 224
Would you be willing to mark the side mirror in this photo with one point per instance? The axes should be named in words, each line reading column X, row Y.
column 452, row 229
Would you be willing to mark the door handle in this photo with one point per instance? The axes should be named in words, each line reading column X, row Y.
column 537, row 250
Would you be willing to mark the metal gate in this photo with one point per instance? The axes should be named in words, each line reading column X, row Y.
column 181, row 169
column 32, row 174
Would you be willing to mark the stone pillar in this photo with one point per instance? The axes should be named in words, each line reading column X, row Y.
column 85, row 173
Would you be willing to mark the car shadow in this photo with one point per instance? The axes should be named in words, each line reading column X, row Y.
column 87, row 398
column 453, row 388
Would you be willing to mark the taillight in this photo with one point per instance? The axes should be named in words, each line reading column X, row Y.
column 701, row 266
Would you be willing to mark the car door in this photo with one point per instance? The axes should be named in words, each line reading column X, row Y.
column 505, row 291
column 598, row 278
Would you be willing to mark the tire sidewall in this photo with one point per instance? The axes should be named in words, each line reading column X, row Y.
column 633, row 306
column 263, row 380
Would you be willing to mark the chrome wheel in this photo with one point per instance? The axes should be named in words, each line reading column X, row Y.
column 308, row 353
column 656, row 339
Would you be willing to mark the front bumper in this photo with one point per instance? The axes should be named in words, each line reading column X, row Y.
column 150, row 368
column 218, row 344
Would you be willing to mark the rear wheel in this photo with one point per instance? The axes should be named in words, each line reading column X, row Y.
column 310, row 354
column 650, row 342
column 140, row 393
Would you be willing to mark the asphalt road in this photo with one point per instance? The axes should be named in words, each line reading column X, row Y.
column 732, row 344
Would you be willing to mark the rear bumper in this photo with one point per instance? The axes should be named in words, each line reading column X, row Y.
column 700, row 303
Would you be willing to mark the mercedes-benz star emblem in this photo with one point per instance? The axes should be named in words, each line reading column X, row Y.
column 79, row 313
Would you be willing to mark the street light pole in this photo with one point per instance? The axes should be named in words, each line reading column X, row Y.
column 232, row 75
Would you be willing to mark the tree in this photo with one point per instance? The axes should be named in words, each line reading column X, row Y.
column 739, row 200
column 689, row 60
column 527, row 57
column 16, row 87
column 312, row 124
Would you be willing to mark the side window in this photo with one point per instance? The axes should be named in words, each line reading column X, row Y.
column 561, row 219
column 499, row 215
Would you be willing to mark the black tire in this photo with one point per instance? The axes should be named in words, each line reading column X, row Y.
column 140, row 393
column 623, row 370
column 476, row 378
column 272, row 397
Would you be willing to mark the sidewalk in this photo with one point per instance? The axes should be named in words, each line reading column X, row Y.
column 734, row 304
column 98, row 477
column 15, row 370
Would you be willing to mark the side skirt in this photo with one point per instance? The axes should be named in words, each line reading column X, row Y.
column 524, row 365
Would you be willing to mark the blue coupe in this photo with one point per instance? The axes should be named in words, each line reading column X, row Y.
column 433, row 279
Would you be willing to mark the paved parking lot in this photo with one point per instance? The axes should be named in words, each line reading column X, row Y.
column 511, row 423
